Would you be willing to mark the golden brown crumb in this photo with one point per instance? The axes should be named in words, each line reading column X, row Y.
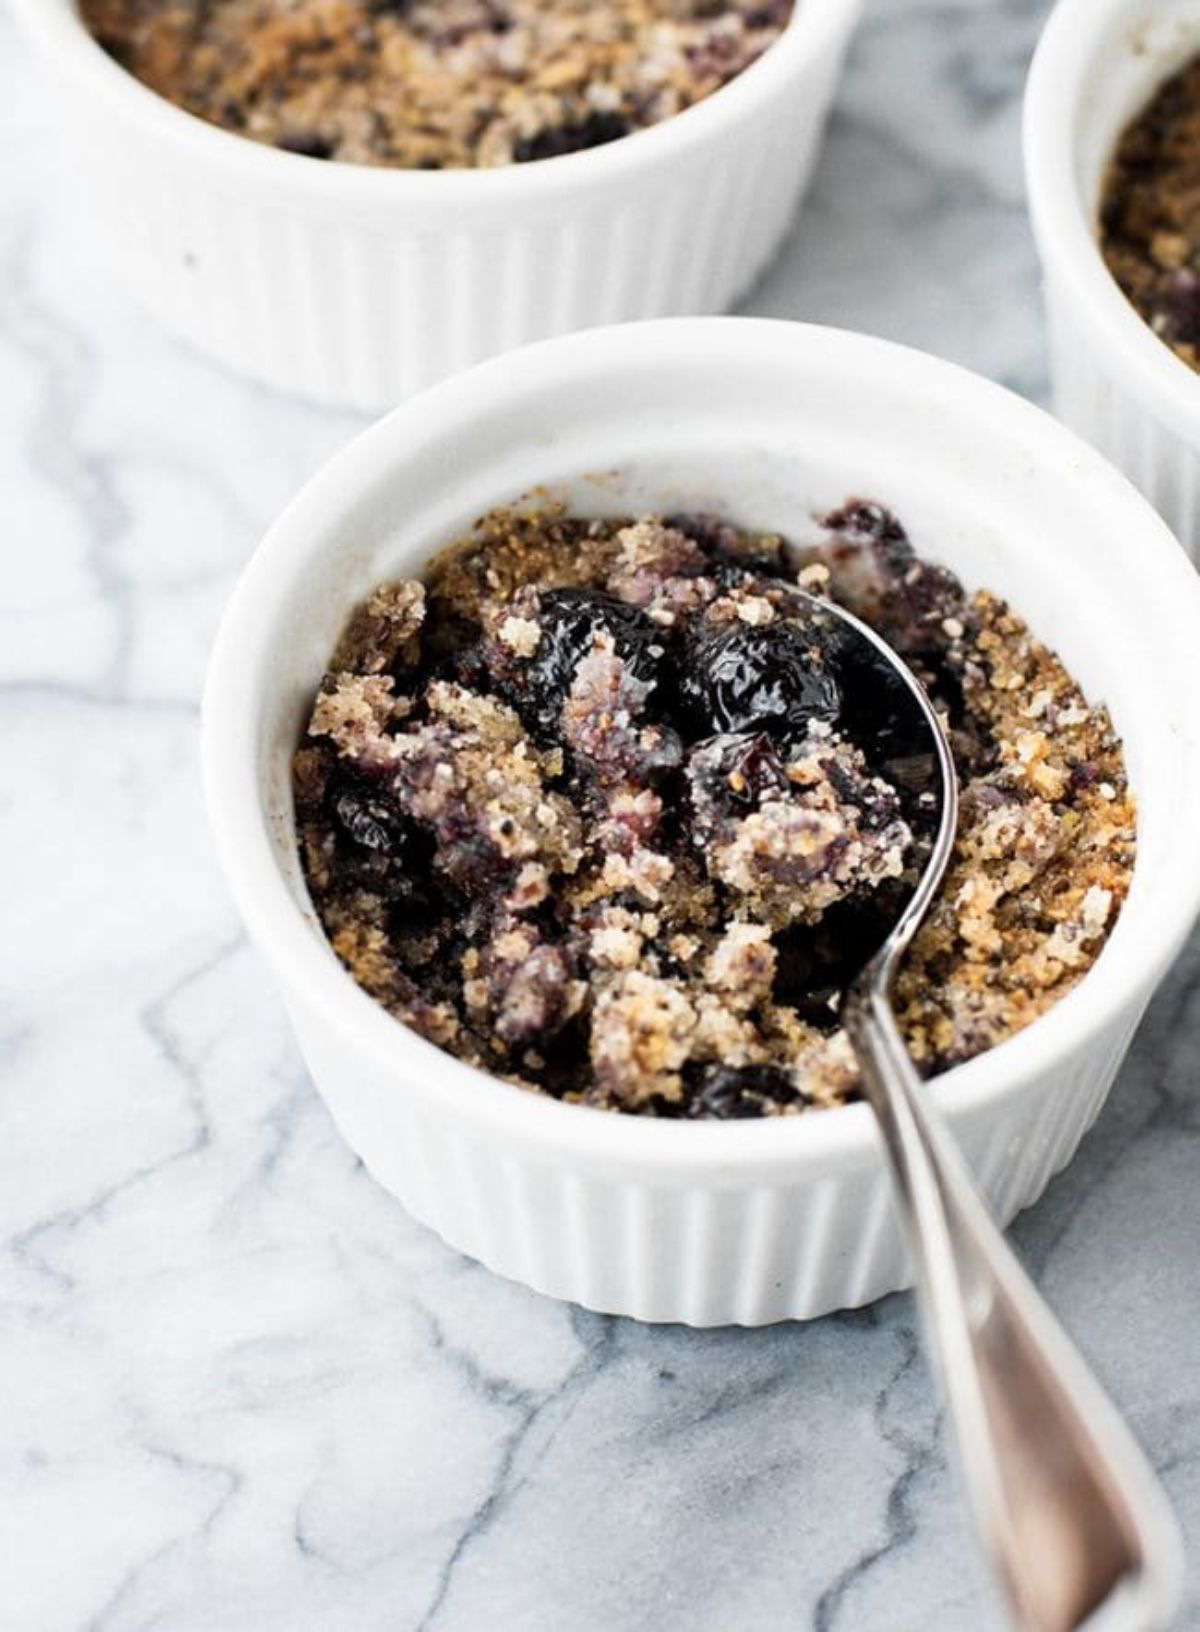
column 1044, row 857
column 523, row 840
column 1150, row 214
column 435, row 84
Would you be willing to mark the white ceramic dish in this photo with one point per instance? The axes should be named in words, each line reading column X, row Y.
column 357, row 286
column 709, row 1222
column 1098, row 63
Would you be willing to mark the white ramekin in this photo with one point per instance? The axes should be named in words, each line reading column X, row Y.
column 357, row 286
column 709, row 1222
column 1114, row 381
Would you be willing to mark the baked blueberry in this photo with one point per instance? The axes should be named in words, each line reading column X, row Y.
column 552, row 143
column 310, row 144
column 1181, row 306
column 730, row 774
column 728, row 1092
column 572, row 622
column 379, row 848
column 777, row 677
column 370, row 819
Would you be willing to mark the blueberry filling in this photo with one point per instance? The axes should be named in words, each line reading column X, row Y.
column 778, row 678
column 593, row 131
column 432, row 85
column 308, row 143
column 572, row 623
column 727, row 1092
column 1150, row 213
column 613, row 810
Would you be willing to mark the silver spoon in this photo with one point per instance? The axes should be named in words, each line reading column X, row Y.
column 1067, row 1510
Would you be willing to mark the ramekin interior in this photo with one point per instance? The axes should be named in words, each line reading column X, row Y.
column 770, row 422
column 1097, row 64
column 57, row 23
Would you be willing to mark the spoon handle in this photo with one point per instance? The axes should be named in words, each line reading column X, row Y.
column 1071, row 1517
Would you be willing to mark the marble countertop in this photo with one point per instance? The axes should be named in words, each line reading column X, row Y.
column 241, row 1389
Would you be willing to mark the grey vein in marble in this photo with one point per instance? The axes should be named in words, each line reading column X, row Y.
column 242, row 1391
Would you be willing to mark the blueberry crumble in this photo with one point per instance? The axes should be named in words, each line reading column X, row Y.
column 600, row 807
column 1150, row 214
column 435, row 84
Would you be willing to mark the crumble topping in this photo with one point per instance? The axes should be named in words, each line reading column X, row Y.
column 435, row 84
column 1150, row 213
column 599, row 808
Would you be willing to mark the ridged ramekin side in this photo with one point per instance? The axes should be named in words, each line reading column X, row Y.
column 719, row 1221
column 1093, row 398
column 745, row 1250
